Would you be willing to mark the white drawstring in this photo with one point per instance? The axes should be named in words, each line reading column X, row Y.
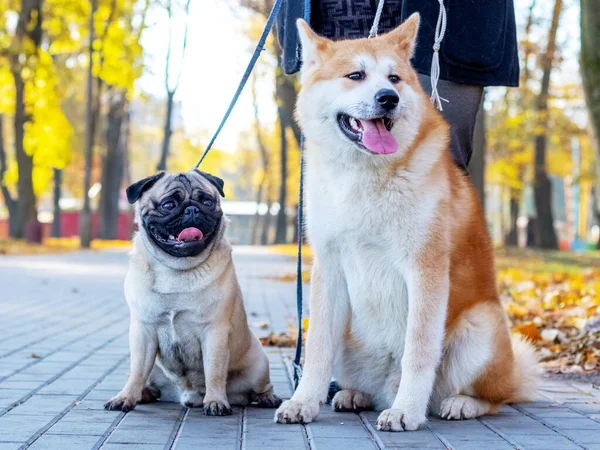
column 440, row 30
column 375, row 27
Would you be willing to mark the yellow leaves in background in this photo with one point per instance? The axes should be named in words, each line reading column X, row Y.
column 48, row 133
column 7, row 91
column 558, row 311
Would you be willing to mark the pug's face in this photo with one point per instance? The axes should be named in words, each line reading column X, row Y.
column 181, row 212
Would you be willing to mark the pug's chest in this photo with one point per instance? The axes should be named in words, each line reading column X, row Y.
column 180, row 343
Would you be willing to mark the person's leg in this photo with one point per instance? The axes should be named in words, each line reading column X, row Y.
column 460, row 111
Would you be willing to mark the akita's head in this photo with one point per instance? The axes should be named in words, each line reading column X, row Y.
column 360, row 94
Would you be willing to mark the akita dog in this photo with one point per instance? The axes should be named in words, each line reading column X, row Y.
column 404, row 309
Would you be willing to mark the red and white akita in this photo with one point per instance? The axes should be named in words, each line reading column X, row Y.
column 404, row 309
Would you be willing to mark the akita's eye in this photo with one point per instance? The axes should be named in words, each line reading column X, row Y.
column 357, row 76
column 394, row 79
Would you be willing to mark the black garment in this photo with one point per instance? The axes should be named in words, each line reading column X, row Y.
column 479, row 47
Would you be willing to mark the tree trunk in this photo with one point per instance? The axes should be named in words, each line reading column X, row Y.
column 477, row 165
column 266, row 225
column 256, row 218
column 112, row 167
column 57, row 194
column 31, row 14
column 167, row 132
column 282, row 225
column 9, row 201
column 85, row 219
column 264, row 155
column 546, row 235
column 512, row 238
column 126, row 131
column 26, row 207
column 590, row 73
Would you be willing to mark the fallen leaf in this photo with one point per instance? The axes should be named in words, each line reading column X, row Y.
column 528, row 330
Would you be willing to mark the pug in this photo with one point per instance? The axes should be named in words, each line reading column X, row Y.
column 189, row 336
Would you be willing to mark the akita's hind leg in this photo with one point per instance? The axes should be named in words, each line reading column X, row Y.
column 461, row 407
column 475, row 375
column 351, row 400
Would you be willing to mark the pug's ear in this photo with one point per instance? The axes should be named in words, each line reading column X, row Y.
column 135, row 191
column 215, row 181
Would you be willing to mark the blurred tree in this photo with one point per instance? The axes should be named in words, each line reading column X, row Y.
column 590, row 71
column 57, row 195
column 171, row 90
column 10, row 203
column 264, row 171
column 545, row 233
column 121, row 65
column 25, row 46
column 85, row 218
column 286, row 91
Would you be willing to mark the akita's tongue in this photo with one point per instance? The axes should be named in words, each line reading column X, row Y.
column 190, row 234
column 377, row 138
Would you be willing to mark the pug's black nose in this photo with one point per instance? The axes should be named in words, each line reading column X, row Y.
column 191, row 211
column 387, row 98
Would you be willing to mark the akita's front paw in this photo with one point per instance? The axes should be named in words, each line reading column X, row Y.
column 217, row 408
column 295, row 412
column 122, row 402
column 399, row 420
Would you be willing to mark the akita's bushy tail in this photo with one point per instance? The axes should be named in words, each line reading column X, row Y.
column 527, row 369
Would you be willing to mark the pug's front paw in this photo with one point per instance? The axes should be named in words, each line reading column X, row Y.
column 217, row 408
column 291, row 411
column 122, row 402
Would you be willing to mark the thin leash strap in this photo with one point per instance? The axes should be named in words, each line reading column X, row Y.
column 297, row 358
column 375, row 27
column 440, row 30
column 257, row 51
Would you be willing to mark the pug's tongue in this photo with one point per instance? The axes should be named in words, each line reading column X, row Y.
column 190, row 234
column 377, row 138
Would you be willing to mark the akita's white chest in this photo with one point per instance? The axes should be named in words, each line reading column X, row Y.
column 378, row 295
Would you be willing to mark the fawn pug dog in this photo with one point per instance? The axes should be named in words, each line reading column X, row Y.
column 189, row 337
column 404, row 308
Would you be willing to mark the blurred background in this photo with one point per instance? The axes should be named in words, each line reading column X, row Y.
column 152, row 78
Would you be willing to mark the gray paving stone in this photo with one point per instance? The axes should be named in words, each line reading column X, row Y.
column 10, row 445
column 68, row 330
column 343, row 444
column 55, row 442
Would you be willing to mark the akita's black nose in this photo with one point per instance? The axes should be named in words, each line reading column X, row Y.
column 387, row 98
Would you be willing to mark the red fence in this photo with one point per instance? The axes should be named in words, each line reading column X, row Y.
column 69, row 225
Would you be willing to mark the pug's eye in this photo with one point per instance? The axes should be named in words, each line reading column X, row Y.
column 208, row 202
column 169, row 205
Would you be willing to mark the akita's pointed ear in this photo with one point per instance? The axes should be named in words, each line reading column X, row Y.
column 312, row 49
column 405, row 35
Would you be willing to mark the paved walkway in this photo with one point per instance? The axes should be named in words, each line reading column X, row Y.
column 64, row 352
